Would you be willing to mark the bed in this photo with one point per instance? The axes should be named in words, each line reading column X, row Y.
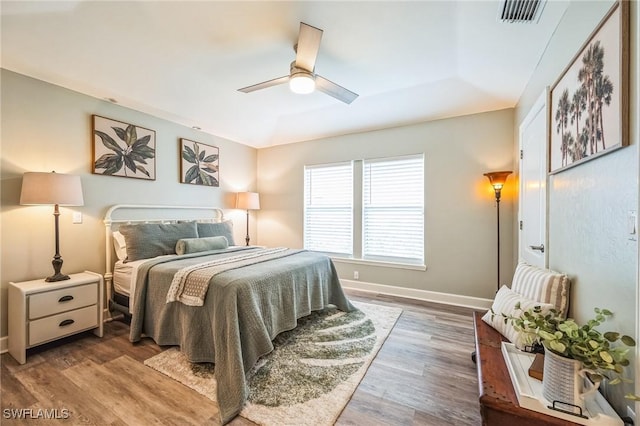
column 220, row 303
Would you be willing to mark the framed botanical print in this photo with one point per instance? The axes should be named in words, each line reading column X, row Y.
column 123, row 149
column 199, row 163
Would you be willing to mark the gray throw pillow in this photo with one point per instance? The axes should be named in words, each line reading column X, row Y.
column 222, row 229
column 147, row 240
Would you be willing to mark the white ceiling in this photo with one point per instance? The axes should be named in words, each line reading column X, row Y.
column 184, row 61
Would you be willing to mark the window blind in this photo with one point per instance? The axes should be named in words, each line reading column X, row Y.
column 393, row 209
column 328, row 208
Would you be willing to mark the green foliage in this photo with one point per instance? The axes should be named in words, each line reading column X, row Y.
column 134, row 153
column 204, row 166
column 565, row 337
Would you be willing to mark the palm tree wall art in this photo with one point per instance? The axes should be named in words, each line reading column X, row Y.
column 590, row 99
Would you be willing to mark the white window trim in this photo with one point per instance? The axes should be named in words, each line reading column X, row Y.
column 388, row 264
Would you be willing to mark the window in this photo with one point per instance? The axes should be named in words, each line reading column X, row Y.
column 393, row 209
column 366, row 210
column 328, row 208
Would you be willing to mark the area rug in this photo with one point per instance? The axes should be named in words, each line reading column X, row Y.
column 313, row 369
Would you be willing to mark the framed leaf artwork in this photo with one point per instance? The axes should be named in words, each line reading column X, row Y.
column 123, row 149
column 199, row 163
column 590, row 100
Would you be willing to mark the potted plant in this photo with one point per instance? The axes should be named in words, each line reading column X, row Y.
column 575, row 350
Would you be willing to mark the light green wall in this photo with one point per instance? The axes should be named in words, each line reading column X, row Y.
column 45, row 128
column 588, row 204
column 460, row 214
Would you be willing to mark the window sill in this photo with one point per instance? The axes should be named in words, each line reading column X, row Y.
column 386, row 264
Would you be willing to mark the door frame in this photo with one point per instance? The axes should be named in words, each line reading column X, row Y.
column 541, row 104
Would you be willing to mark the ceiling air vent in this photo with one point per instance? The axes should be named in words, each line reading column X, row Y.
column 520, row 11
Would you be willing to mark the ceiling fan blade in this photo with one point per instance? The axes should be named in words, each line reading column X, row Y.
column 265, row 84
column 332, row 89
column 308, row 46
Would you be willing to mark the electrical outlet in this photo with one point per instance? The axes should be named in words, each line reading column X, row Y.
column 356, row 275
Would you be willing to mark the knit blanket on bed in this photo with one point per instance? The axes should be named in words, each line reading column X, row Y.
column 244, row 310
column 190, row 284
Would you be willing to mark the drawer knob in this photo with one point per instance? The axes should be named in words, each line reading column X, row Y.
column 65, row 299
column 66, row 322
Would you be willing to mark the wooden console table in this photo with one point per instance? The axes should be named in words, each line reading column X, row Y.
column 498, row 402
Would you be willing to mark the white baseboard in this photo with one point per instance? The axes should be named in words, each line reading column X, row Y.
column 411, row 293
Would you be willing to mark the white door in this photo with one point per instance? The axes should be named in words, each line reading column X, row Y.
column 532, row 207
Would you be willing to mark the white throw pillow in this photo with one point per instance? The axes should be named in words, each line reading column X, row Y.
column 119, row 245
column 505, row 303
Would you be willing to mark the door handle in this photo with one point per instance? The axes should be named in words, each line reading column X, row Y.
column 540, row 247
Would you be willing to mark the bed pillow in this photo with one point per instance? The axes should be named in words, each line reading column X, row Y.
column 119, row 245
column 195, row 245
column 505, row 303
column 542, row 285
column 147, row 240
column 220, row 229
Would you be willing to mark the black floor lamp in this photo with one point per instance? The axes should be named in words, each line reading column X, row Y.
column 497, row 180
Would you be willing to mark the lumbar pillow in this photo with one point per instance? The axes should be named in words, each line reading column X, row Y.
column 195, row 245
column 147, row 240
column 505, row 304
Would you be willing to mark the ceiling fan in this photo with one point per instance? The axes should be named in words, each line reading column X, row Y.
column 302, row 78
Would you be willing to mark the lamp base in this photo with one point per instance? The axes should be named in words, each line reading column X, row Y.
column 56, row 277
column 57, row 264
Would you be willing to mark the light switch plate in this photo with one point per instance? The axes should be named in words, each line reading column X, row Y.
column 632, row 224
column 77, row 217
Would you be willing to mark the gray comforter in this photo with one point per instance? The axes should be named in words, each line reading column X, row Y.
column 244, row 310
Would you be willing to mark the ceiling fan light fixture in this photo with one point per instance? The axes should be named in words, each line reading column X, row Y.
column 302, row 83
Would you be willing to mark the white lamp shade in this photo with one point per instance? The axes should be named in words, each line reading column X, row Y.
column 248, row 201
column 51, row 188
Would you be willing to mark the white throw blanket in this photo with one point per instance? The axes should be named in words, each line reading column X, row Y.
column 190, row 284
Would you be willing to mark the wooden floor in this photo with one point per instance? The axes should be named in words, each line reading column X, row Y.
column 423, row 375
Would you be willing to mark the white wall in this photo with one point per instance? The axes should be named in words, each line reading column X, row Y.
column 589, row 203
column 45, row 128
column 460, row 216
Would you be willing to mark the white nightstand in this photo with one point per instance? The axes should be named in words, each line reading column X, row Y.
column 40, row 311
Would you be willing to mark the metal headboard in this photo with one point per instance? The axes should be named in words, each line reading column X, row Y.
column 138, row 213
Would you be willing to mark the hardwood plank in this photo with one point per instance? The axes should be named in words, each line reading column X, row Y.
column 13, row 394
column 54, row 391
column 368, row 409
column 135, row 394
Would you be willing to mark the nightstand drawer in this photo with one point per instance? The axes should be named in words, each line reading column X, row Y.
column 65, row 299
column 62, row 324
